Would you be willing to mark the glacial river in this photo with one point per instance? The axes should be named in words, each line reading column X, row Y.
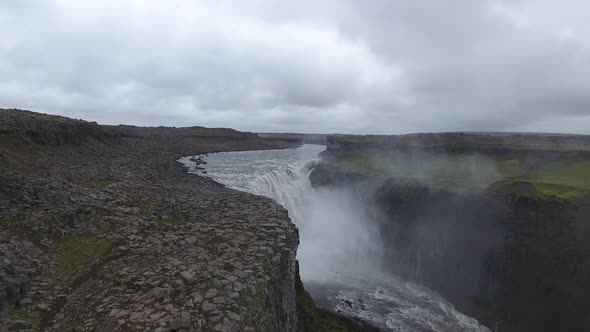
column 339, row 252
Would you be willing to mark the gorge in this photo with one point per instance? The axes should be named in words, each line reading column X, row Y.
column 496, row 223
column 498, row 230
column 102, row 229
column 341, row 253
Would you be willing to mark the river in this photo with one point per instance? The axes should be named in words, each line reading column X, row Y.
column 339, row 252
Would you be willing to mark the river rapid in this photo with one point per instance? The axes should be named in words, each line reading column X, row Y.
column 339, row 251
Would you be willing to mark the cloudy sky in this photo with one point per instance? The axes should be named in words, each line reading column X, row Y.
column 348, row 66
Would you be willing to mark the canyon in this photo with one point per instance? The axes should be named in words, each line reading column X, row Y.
column 497, row 223
column 101, row 229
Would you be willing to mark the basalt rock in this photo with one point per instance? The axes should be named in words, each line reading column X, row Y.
column 514, row 260
column 102, row 230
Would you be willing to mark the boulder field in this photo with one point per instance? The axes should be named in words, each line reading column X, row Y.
column 101, row 229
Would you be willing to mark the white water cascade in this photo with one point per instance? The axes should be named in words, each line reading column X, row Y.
column 332, row 225
column 339, row 252
column 290, row 188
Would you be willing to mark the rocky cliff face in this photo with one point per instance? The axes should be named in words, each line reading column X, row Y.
column 512, row 259
column 101, row 229
column 515, row 259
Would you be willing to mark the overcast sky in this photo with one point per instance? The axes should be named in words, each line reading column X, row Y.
column 390, row 66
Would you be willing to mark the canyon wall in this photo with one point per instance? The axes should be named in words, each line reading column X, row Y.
column 511, row 254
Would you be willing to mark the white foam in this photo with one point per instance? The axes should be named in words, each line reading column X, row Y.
column 338, row 250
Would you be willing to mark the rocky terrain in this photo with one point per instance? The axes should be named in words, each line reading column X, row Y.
column 102, row 230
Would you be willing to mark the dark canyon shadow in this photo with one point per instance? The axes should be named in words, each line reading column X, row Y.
column 514, row 259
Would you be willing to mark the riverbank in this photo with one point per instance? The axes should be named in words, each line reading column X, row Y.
column 101, row 229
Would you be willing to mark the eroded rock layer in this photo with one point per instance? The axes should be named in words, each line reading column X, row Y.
column 101, row 229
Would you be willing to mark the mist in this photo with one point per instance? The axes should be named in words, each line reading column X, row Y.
column 475, row 170
column 338, row 236
column 358, row 257
column 420, row 205
column 384, row 243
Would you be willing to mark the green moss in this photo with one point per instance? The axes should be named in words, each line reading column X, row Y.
column 73, row 252
column 150, row 207
column 457, row 173
column 254, row 302
column 8, row 221
column 561, row 191
column 19, row 228
column 538, row 189
column 562, row 179
column 25, row 314
column 566, row 180
column 103, row 182
column 358, row 161
column 166, row 222
column 573, row 174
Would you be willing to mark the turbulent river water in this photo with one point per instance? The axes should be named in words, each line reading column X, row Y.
column 339, row 252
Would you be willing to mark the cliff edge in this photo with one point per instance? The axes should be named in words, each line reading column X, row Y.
column 101, row 230
column 496, row 223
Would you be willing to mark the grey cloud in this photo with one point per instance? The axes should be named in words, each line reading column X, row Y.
column 330, row 66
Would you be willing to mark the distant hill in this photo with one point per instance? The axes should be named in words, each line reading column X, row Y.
column 297, row 138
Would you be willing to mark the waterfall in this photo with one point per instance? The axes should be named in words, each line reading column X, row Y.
column 289, row 187
column 340, row 245
column 336, row 237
